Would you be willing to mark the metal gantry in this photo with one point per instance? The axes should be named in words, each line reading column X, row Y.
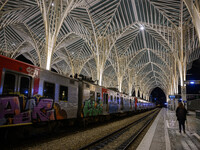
column 134, row 45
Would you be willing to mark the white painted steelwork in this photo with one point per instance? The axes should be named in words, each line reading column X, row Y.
column 104, row 40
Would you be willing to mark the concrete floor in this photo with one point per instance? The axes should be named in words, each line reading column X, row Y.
column 164, row 133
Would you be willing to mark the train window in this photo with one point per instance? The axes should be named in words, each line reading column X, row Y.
column 105, row 98
column 117, row 100
column 121, row 102
column 111, row 98
column 25, row 86
column 9, row 83
column 49, row 90
column 63, row 93
column 98, row 98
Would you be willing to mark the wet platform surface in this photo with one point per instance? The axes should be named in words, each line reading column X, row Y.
column 164, row 133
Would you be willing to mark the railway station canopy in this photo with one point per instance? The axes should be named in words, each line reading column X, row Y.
column 132, row 45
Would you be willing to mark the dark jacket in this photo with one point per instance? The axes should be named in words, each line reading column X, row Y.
column 181, row 114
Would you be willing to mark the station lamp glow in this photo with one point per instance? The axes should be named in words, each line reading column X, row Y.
column 191, row 82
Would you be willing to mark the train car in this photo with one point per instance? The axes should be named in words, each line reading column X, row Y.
column 29, row 94
column 145, row 105
column 90, row 100
column 131, row 103
column 113, row 105
column 126, row 103
column 63, row 91
column 17, row 77
column 100, row 101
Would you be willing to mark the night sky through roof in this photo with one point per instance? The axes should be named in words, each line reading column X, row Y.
column 158, row 95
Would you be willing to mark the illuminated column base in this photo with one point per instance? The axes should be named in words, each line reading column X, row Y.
column 183, row 95
column 136, row 92
column 175, row 103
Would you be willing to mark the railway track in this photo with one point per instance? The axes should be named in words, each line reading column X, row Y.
column 121, row 139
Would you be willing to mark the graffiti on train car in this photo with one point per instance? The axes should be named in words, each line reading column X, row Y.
column 60, row 113
column 92, row 108
column 13, row 110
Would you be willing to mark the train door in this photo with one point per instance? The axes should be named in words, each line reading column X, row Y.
column 121, row 103
column 130, row 104
column 111, row 99
column 105, row 102
column 98, row 104
column 16, row 83
column 111, row 104
column 118, row 104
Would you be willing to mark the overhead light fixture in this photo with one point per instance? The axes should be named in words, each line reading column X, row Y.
column 141, row 27
column 52, row 4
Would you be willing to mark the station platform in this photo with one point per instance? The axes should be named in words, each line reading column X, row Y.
column 164, row 133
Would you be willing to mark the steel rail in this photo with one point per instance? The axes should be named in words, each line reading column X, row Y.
column 128, row 142
column 100, row 143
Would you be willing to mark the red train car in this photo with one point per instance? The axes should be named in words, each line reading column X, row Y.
column 20, row 103
column 25, row 72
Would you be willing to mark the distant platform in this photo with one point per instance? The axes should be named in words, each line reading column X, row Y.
column 164, row 133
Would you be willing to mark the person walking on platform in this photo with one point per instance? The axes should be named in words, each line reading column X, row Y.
column 181, row 116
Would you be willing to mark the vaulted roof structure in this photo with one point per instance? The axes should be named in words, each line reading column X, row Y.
column 128, row 44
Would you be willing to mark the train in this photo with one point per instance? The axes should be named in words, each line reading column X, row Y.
column 32, row 95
